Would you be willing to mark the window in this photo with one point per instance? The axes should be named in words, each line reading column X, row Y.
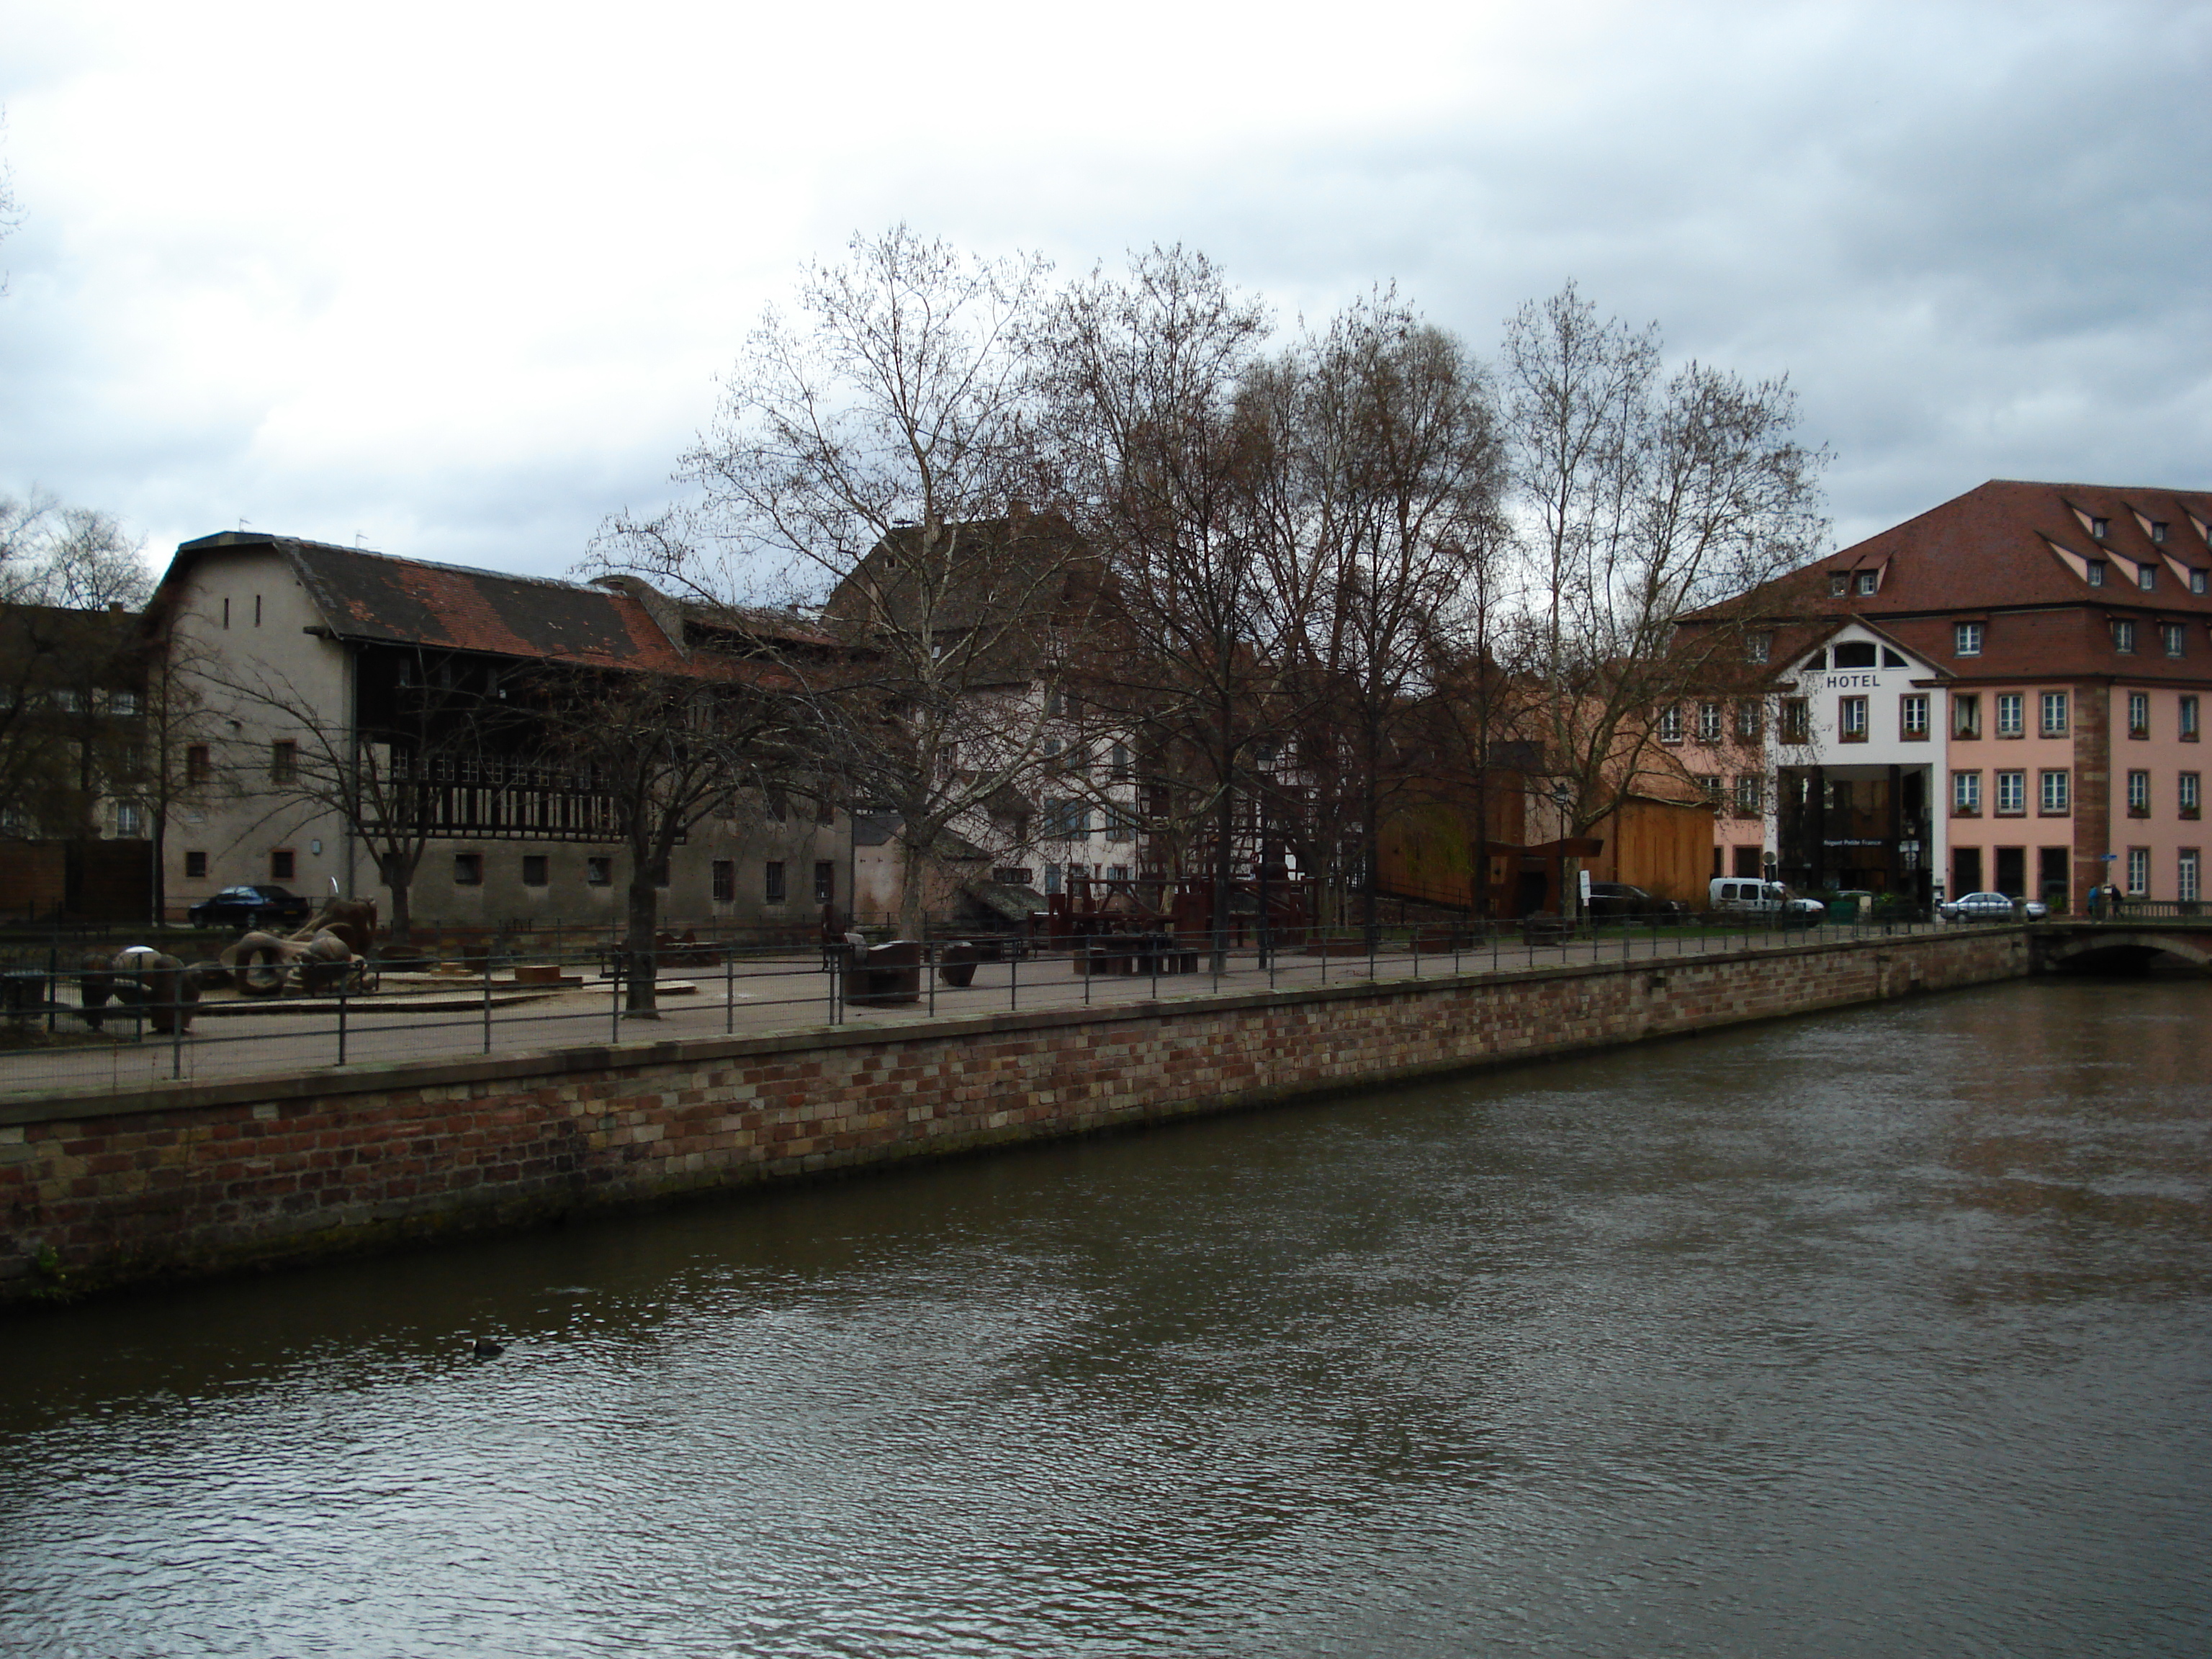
column 2055, row 799
column 2175, row 638
column 1855, row 654
column 1840, row 583
column 2139, row 871
column 257, row 610
column 1710, row 784
column 2189, row 718
column 1892, row 658
column 1118, row 763
column 1965, row 714
column 1758, row 647
column 1670, row 723
column 2012, row 793
column 1709, row 723
column 1852, row 719
column 1121, row 824
column 825, row 882
column 2095, row 572
column 1967, row 639
column 468, row 869
column 2158, row 532
column 2138, row 714
column 1749, row 721
column 2012, row 713
column 130, row 821
column 2187, row 794
column 1868, row 580
column 2147, row 578
column 778, row 806
column 1750, row 795
column 534, row 869
column 722, row 881
column 2054, row 713
column 283, row 865
column 599, row 873
column 197, row 769
column 1818, row 662
column 196, row 867
column 2100, row 528
column 226, row 611
column 2185, row 886
column 773, row 889
column 1912, row 717
column 2199, row 580
column 1796, row 720
column 2124, row 636
column 1966, row 794
column 123, row 702
column 2138, row 794
column 283, row 760
column 1067, row 820
column 1052, row 878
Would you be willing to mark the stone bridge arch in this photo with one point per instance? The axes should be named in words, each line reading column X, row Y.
column 2120, row 946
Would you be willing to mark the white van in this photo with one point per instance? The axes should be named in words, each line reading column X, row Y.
column 1743, row 893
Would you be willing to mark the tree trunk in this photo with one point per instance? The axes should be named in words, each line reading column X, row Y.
column 914, row 896
column 399, row 873
column 642, row 1001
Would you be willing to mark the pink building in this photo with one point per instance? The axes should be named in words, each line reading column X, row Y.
column 2052, row 646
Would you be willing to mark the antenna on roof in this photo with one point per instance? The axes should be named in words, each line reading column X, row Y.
column 357, row 539
column 242, row 523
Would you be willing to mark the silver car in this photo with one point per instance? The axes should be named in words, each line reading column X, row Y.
column 1992, row 907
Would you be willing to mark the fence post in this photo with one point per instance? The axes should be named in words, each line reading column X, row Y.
column 342, row 1017
column 1014, row 976
column 487, row 1006
column 729, row 989
column 614, row 1006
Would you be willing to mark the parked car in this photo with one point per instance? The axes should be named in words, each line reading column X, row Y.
column 1743, row 893
column 1619, row 898
column 255, row 906
column 1992, row 907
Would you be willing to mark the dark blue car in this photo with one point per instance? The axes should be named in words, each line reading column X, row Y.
column 261, row 906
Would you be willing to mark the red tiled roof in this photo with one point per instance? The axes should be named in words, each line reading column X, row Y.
column 1989, row 555
column 374, row 598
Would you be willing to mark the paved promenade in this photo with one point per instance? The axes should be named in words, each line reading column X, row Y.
column 756, row 997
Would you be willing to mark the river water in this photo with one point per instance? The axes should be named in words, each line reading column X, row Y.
column 1882, row 1333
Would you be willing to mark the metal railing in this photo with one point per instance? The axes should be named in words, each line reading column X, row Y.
column 59, row 1032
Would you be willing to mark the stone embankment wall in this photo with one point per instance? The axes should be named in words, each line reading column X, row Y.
column 188, row 1178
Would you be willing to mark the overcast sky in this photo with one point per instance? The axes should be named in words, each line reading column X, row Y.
column 458, row 278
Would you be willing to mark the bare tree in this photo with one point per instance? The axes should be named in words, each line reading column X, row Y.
column 76, row 558
column 664, row 752
column 387, row 778
column 872, row 458
column 1640, row 498
column 1383, row 527
column 1157, row 454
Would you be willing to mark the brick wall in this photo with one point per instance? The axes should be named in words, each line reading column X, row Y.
column 189, row 1178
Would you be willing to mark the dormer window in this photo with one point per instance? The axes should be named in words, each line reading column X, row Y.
column 2146, row 578
column 2199, row 580
column 2095, row 572
column 1967, row 639
column 1757, row 647
column 1839, row 583
column 2100, row 528
column 2158, row 532
column 1869, row 579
